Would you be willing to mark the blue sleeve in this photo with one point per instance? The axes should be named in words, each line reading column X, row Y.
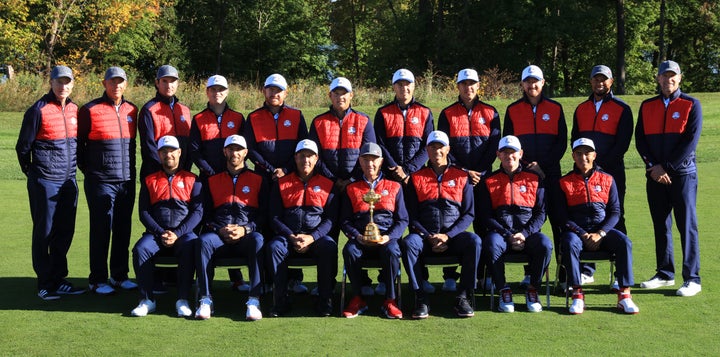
column 400, row 218
column 196, row 149
column 195, row 212
column 148, row 145
column 261, row 165
column 380, row 135
column 329, row 217
column 561, row 142
column 508, row 128
column 313, row 135
column 486, row 212
column 563, row 216
column 688, row 139
column 486, row 159
column 276, row 212
column 413, row 207
column 641, row 141
column 612, row 209
column 83, row 131
column 536, row 221
column 144, row 209
column 467, row 212
column 623, row 135
column 421, row 156
column 28, row 131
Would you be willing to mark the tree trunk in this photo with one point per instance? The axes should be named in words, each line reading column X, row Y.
column 620, row 47
column 661, row 42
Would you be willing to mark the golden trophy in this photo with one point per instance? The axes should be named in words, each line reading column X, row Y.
column 372, row 232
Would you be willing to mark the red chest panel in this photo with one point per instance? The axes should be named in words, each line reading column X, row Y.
column 520, row 191
column 577, row 192
column 170, row 122
column 266, row 129
column 108, row 124
column 57, row 125
column 333, row 137
column 245, row 192
column 206, row 122
column 412, row 125
column 675, row 118
column 387, row 189
column 545, row 120
column 159, row 187
column 606, row 121
column 295, row 193
column 450, row 188
column 478, row 124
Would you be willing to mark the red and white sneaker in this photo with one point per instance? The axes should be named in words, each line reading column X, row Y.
column 578, row 302
column 391, row 310
column 626, row 305
column 356, row 307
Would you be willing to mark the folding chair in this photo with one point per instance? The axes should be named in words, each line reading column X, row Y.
column 446, row 260
column 584, row 257
column 370, row 264
column 297, row 262
column 512, row 257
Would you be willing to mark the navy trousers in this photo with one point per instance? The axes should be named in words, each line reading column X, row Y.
column 53, row 207
column 209, row 247
column 148, row 247
column 389, row 256
column 111, row 205
column 537, row 246
column 614, row 242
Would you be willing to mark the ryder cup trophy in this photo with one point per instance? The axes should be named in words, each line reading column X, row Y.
column 372, row 232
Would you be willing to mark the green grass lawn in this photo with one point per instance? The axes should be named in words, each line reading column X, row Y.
column 94, row 325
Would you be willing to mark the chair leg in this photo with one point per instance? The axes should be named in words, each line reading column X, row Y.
column 492, row 297
column 342, row 291
column 547, row 287
column 399, row 288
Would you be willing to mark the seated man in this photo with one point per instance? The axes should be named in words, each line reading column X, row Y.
column 170, row 208
column 303, row 210
column 511, row 203
column 236, row 201
column 589, row 209
column 441, row 207
column 391, row 219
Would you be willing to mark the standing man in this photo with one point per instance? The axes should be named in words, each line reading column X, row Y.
column 208, row 132
column 401, row 128
column 589, row 208
column 512, row 206
column 441, row 208
column 47, row 151
column 170, row 208
column 107, row 127
column 474, row 130
column 163, row 115
column 391, row 219
column 539, row 123
column 666, row 136
column 303, row 210
column 236, row 200
column 272, row 132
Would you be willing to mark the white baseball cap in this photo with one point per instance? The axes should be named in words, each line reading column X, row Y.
column 532, row 71
column 168, row 141
column 403, row 75
column 341, row 82
column 583, row 142
column 217, row 80
column 468, row 74
column 275, row 80
column 438, row 136
column 306, row 144
column 235, row 139
column 509, row 142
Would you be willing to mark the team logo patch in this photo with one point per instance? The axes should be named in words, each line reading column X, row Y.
column 73, row 121
column 451, row 183
column 384, row 192
column 482, row 120
column 316, row 189
column 546, row 117
column 246, row 189
column 182, row 118
column 129, row 119
column 598, row 188
column 287, row 123
column 352, row 130
column 523, row 188
column 181, row 184
column 605, row 117
column 231, row 125
column 676, row 115
column 415, row 120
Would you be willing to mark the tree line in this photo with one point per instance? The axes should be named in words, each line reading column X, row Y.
column 366, row 40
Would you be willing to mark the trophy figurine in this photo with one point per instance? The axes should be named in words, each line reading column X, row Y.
column 372, row 232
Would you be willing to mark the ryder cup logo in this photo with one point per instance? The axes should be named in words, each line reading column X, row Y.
column 384, row 192
column 287, row 123
column 482, row 120
column 129, row 119
column 352, row 130
column 182, row 118
column 598, row 188
column 246, row 189
column 451, row 183
column 73, row 121
column 676, row 115
column 414, row 120
column 231, row 125
column 523, row 189
column 546, row 117
column 181, row 184
column 316, row 189
column 605, row 117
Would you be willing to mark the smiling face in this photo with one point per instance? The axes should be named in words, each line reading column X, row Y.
column 340, row 99
column 170, row 158
column 404, row 91
column 305, row 161
column 533, row 87
column 437, row 154
column 584, row 156
column 509, row 159
column 274, row 96
column 216, row 94
column 370, row 165
column 468, row 90
column 167, row 86
column 600, row 85
column 62, row 88
column 115, row 88
column 235, row 156
column 669, row 82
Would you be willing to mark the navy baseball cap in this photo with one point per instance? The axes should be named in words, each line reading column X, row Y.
column 167, row 71
column 601, row 69
column 115, row 72
column 61, row 71
column 669, row 66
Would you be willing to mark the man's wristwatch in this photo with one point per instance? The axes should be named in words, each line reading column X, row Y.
column 602, row 233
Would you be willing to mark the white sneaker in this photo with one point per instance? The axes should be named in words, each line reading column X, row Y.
column 689, row 288
column 315, row 291
column 145, row 307
column 126, row 284
column 204, row 311
column 615, row 287
column 626, row 305
column 367, row 291
column 183, row 308
column 532, row 301
column 380, row 289
column 506, row 303
column 102, row 289
column 578, row 304
column 427, row 287
column 525, row 282
column 586, row 279
column 449, row 285
column 656, row 282
column 253, row 309
column 297, row 287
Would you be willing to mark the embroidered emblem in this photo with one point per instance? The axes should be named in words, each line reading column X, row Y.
column 287, row 123
column 352, row 130
column 231, row 125
column 523, row 188
column 546, row 117
column 246, row 189
column 605, row 117
column 316, row 188
column 676, row 115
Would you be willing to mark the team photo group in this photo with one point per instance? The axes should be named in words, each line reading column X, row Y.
column 404, row 188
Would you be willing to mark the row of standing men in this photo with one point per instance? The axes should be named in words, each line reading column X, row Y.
column 102, row 134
